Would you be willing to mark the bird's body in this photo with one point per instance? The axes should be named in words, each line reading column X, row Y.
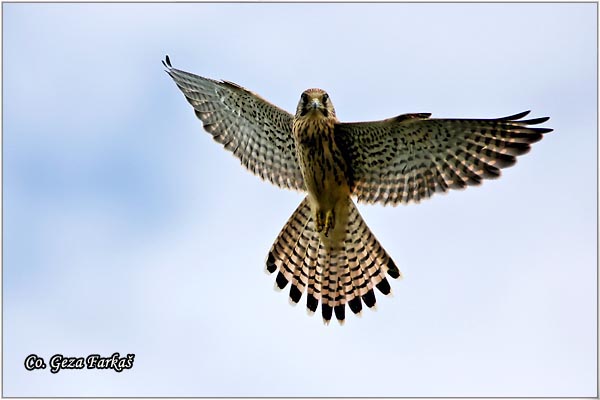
column 323, row 167
column 325, row 249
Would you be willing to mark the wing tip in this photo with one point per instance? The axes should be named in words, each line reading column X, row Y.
column 167, row 62
column 515, row 117
column 534, row 121
column 519, row 119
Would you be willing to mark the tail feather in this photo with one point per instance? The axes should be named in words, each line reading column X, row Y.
column 345, row 284
column 285, row 250
column 380, row 262
column 312, row 299
column 358, row 282
column 329, row 283
column 357, row 256
column 335, row 276
column 370, row 256
column 300, row 278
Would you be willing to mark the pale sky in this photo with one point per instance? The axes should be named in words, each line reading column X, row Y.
column 127, row 229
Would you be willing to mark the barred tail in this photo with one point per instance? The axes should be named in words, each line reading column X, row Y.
column 335, row 275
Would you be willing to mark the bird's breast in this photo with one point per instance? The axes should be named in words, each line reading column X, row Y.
column 321, row 161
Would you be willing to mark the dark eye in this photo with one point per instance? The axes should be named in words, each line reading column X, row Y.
column 304, row 98
column 325, row 98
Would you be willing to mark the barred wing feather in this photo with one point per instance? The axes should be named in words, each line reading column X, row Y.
column 256, row 131
column 410, row 157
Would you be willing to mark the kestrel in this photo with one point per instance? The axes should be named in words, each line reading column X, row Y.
column 325, row 248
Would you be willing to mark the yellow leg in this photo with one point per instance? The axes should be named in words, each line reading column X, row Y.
column 329, row 221
column 319, row 221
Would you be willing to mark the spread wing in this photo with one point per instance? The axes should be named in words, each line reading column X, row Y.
column 256, row 131
column 411, row 157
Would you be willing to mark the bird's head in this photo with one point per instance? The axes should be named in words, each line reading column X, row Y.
column 315, row 102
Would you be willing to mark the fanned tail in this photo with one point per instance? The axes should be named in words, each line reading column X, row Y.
column 332, row 274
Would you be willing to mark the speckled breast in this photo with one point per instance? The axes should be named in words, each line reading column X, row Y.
column 323, row 166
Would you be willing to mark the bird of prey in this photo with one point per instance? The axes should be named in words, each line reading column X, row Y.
column 325, row 249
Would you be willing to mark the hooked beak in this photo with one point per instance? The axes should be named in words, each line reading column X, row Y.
column 315, row 104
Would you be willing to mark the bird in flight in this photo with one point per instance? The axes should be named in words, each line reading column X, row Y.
column 325, row 248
